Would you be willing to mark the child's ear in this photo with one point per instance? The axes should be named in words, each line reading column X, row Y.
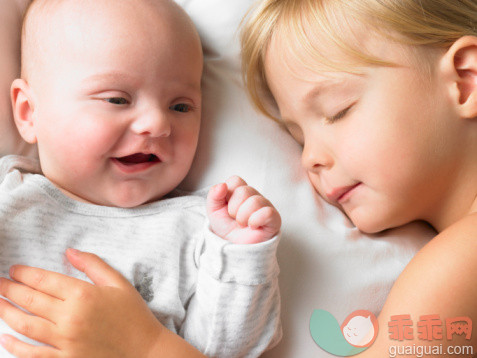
column 23, row 109
column 460, row 63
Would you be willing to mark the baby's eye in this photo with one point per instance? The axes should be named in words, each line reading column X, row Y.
column 339, row 115
column 117, row 100
column 181, row 107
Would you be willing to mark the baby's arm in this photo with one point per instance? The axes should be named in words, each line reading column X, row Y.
column 440, row 280
column 78, row 319
column 235, row 309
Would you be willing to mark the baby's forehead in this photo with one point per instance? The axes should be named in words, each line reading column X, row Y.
column 52, row 27
column 56, row 14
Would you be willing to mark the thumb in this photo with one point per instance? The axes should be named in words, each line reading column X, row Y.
column 96, row 269
column 216, row 198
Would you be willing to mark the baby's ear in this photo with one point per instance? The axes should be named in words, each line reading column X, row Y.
column 460, row 62
column 23, row 109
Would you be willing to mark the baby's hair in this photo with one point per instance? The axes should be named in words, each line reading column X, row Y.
column 299, row 23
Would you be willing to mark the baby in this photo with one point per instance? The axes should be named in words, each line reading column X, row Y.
column 110, row 92
column 382, row 96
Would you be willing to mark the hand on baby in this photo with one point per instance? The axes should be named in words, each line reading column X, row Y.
column 76, row 318
column 79, row 319
column 240, row 214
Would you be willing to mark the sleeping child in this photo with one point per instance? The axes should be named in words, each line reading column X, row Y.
column 382, row 96
column 110, row 92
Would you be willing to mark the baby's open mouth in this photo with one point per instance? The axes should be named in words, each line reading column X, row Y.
column 138, row 158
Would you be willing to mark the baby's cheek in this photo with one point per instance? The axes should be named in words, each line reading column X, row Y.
column 314, row 180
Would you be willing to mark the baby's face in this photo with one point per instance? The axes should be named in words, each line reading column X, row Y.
column 379, row 145
column 117, row 103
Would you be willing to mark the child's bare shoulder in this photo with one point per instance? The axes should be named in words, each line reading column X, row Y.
column 445, row 268
column 456, row 245
column 463, row 227
column 439, row 280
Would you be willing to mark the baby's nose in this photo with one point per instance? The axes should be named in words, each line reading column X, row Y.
column 152, row 123
column 314, row 157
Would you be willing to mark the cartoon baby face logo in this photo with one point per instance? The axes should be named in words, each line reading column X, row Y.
column 360, row 328
column 358, row 332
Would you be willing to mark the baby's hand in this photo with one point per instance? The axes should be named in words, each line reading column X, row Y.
column 76, row 318
column 239, row 214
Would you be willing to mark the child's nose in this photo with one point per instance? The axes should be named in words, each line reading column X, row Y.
column 152, row 122
column 315, row 156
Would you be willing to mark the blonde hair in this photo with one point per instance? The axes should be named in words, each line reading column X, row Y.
column 420, row 23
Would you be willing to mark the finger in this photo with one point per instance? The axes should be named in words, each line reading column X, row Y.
column 30, row 326
column 238, row 197
column 96, row 269
column 51, row 283
column 232, row 184
column 21, row 349
column 216, row 198
column 29, row 299
column 268, row 219
column 248, row 207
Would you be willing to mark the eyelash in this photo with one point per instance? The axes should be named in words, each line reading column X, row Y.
column 122, row 101
column 339, row 115
column 175, row 106
column 112, row 100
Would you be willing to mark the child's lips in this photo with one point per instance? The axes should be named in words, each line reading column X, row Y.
column 341, row 194
column 138, row 158
column 136, row 162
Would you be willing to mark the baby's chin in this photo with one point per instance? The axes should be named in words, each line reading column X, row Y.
column 369, row 223
column 371, row 229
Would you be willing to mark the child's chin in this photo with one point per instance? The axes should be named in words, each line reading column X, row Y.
column 370, row 220
column 369, row 226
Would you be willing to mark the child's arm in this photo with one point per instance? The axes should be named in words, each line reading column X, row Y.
column 440, row 280
column 108, row 319
column 235, row 309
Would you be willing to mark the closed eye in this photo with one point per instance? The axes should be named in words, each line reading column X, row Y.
column 117, row 100
column 181, row 107
column 339, row 115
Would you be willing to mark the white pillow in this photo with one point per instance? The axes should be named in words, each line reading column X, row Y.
column 325, row 262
